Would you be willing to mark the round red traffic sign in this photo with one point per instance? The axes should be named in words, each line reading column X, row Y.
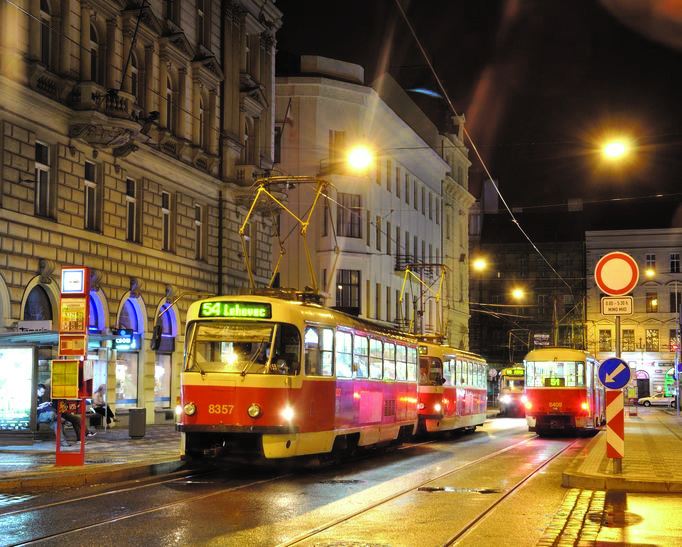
column 616, row 273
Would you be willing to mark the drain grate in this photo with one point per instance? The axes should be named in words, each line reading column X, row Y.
column 450, row 489
column 342, row 481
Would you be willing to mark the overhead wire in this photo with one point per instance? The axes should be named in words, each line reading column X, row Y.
column 473, row 144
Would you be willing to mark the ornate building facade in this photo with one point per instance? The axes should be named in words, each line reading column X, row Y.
column 130, row 132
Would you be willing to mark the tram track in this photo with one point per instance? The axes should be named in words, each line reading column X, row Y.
column 130, row 506
column 328, row 528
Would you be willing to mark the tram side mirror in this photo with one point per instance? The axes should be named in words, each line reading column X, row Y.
column 441, row 380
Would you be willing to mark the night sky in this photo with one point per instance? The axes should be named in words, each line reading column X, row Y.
column 541, row 83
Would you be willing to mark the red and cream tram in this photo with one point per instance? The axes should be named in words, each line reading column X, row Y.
column 452, row 388
column 277, row 375
column 563, row 391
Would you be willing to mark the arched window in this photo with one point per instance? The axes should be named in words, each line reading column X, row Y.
column 128, row 319
column 38, row 306
column 202, row 124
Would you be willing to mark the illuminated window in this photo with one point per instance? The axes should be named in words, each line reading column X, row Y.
column 652, row 340
column 605, row 343
column 348, row 289
column 629, row 340
column 675, row 263
column 651, row 302
column 92, row 214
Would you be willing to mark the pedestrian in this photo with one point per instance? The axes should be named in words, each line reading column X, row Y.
column 100, row 406
column 47, row 413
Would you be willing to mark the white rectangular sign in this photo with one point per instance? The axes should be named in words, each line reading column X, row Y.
column 616, row 305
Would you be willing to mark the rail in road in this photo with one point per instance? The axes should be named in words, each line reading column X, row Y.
column 431, row 493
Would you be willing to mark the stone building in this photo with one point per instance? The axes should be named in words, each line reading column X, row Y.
column 130, row 132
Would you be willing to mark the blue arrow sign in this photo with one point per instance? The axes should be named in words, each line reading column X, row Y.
column 614, row 373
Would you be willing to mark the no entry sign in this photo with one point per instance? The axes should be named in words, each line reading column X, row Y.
column 616, row 273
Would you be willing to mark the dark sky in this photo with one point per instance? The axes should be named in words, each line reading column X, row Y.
column 541, row 83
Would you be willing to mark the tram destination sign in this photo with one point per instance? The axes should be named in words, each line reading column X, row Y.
column 236, row 310
column 611, row 305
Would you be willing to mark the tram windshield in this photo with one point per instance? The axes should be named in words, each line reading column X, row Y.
column 555, row 373
column 242, row 348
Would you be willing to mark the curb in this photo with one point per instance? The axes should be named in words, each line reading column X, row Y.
column 73, row 478
column 582, row 473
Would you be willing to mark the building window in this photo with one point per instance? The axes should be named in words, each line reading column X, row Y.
column 45, row 34
column 348, row 215
column 44, row 191
column 134, row 79
column 388, row 303
column 430, row 206
column 377, row 300
column 652, row 341
column 377, row 178
column 416, row 196
column 91, row 197
column 675, row 301
column 407, row 188
column 650, row 262
column 132, row 212
column 388, row 238
column 423, row 201
column 167, row 214
column 337, row 149
column 368, row 228
column 651, row 302
column 629, row 340
column 605, row 340
column 348, row 289
column 378, row 232
column 388, row 175
column 199, row 233
column 95, row 66
column 170, row 122
column 200, row 22
column 397, row 182
column 437, row 211
column 202, row 124
column 675, row 263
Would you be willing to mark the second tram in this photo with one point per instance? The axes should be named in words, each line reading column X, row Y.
column 563, row 391
column 452, row 388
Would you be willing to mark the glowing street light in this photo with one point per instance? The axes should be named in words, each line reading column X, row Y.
column 518, row 293
column 360, row 157
column 479, row 264
column 615, row 149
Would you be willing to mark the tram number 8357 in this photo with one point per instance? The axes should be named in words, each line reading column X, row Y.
column 220, row 409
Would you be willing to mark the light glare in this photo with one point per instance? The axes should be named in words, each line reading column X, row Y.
column 359, row 158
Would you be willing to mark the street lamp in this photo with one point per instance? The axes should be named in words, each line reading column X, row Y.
column 359, row 157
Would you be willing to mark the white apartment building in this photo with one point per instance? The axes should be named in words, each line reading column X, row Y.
column 650, row 335
column 408, row 212
column 129, row 132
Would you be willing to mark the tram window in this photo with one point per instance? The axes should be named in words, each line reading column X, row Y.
column 412, row 364
column 389, row 361
column 360, row 351
column 400, row 363
column 435, row 372
column 327, row 355
column 448, row 371
column 375, row 359
column 312, row 351
column 344, row 354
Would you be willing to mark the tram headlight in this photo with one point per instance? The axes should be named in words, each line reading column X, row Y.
column 420, row 406
column 528, row 405
column 585, row 406
column 524, row 398
column 505, row 399
column 437, row 407
column 178, row 410
column 254, row 410
column 287, row 413
column 190, row 409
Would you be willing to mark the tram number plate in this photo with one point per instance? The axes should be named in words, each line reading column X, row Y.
column 555, row 405
column 220, row 409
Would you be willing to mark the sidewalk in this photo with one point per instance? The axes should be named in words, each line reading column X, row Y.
column 652, row 462
column 110, row 456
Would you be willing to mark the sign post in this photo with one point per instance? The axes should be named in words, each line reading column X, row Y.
column 616, row 274
column 69, row 384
